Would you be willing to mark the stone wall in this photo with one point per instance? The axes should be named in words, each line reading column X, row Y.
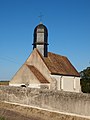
column 75, row 103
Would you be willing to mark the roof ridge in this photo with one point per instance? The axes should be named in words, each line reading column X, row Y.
column 57, row 54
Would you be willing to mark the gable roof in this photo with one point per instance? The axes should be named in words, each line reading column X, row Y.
column 37, row 74
column 60, row 65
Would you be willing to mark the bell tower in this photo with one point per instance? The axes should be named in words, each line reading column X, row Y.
column 40, row 40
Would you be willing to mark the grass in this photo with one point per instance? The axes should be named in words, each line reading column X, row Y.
column 4, row 83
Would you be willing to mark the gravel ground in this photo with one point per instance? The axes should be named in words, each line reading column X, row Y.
column 17, row 112
column 11, row 115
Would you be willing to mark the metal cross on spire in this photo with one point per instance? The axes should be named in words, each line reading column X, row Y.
column 40, row 16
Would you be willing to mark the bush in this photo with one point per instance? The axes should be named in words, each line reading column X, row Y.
column 85, row 80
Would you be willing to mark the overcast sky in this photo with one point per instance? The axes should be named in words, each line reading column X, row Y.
column 68, row 23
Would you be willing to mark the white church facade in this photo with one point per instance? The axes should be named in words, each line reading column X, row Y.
column 45, row 69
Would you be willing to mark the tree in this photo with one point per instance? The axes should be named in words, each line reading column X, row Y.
column 85, row 80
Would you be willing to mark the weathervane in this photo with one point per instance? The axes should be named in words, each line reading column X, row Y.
column 40, row 16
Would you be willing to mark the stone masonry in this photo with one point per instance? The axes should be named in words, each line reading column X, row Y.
column 68, row 102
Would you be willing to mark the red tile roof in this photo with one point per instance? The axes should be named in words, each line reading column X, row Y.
column 60, row 65
column 37, row 74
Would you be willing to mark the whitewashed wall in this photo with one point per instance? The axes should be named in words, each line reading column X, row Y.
column 67, row 83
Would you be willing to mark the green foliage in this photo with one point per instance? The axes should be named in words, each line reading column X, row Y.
column 2, row 118
column 85, row 80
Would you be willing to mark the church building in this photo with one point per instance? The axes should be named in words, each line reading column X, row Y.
column 45, row 69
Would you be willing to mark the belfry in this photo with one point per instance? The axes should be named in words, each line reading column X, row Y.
column 41, row 39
